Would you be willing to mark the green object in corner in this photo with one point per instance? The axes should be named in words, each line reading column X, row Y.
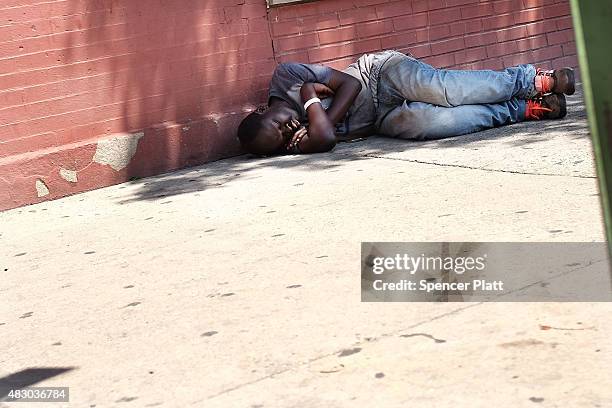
column 593, row 30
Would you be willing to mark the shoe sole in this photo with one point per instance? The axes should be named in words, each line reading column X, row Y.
column 562, row 107
column 559, row 106
column 571, row 81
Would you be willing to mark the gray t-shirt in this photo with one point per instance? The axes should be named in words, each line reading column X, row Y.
column 289, row 77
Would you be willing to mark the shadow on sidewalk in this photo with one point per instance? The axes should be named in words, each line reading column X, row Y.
column 29, row 377
column 219, row 174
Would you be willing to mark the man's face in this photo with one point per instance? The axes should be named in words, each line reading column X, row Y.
column 275, row 133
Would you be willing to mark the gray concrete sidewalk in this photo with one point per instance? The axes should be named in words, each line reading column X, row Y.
column 236, row 284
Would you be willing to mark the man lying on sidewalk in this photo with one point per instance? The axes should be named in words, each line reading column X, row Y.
column 310, row 106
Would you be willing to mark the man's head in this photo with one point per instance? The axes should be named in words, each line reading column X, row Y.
column 265, row 131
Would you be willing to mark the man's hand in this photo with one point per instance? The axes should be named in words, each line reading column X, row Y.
column 311, row 90
column 293, row 133
column 297, row 138
column 323, row 91
column 290, row 128
column 307, row 91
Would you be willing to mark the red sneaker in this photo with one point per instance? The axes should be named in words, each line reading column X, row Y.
column 551, row 106
column 555, row 81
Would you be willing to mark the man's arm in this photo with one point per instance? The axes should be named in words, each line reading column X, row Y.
column 321, row 136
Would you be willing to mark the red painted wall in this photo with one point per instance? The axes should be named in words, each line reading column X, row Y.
column 462, row 34
column 180, row 74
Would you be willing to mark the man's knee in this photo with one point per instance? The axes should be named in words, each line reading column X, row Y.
column 412, row 121
column 401, row 127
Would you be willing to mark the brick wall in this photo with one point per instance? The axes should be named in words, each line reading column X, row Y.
column 95, row 92
column 77, row 69
column 169, row 77
column 462, row 34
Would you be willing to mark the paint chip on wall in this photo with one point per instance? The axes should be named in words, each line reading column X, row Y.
column 68, row 175
column 117, row 151
column 41, row 188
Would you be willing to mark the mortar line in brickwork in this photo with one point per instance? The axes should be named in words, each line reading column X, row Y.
column 270, row 35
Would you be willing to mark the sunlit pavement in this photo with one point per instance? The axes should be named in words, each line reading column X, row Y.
column 236, row 284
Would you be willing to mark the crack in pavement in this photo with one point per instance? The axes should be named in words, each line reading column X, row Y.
column 335, row 353
column 429, row 336
column 462, row 166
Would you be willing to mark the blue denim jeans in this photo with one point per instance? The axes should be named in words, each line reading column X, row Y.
column 418, row 101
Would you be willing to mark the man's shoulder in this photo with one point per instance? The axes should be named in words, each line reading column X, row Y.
column 298, row 72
